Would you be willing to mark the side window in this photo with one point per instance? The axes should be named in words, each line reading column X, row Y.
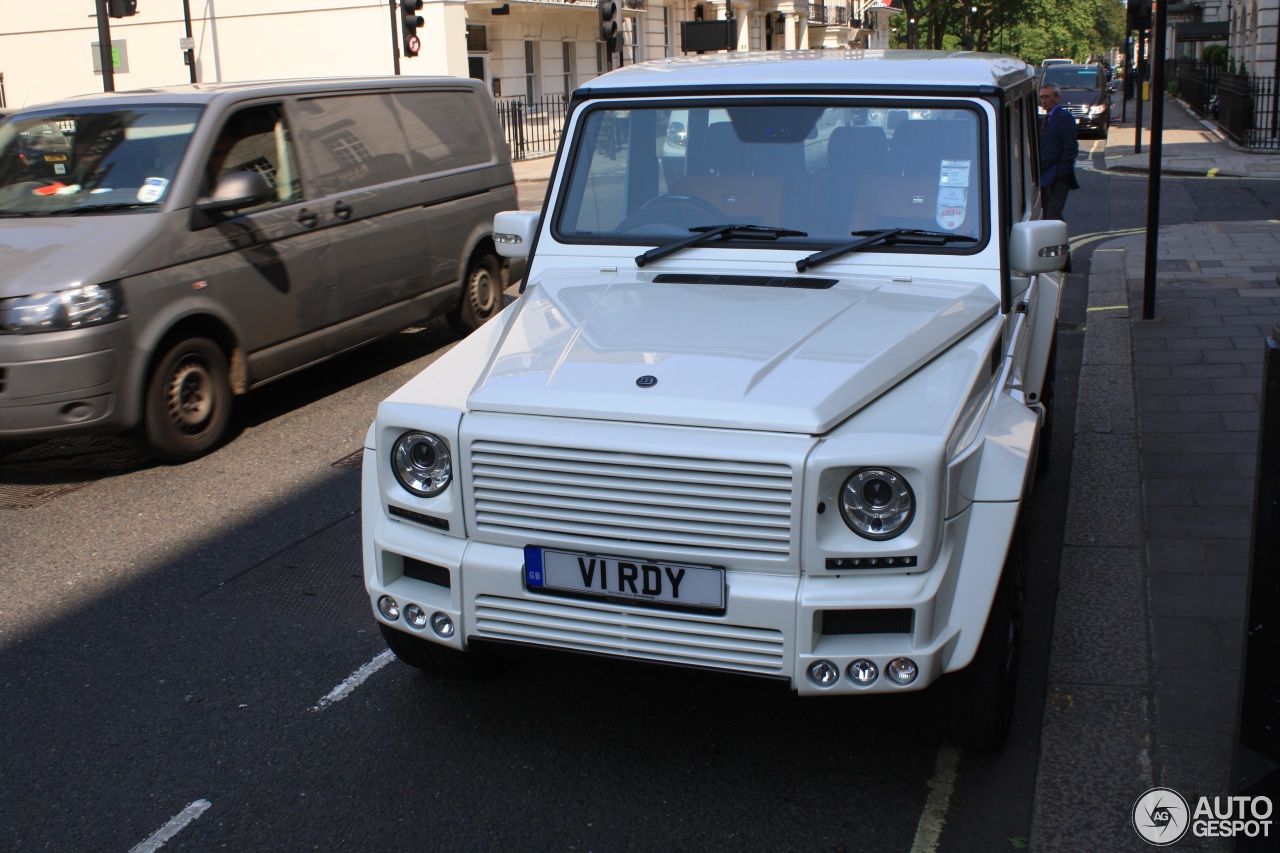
column 353, row 141
column 257, row 139
column 446, row 130
column 1033, row 135
column 1016, row 137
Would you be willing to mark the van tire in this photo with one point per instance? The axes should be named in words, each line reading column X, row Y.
column 973, row 708
column 188, row 402
column 481, row 295
column 435, row 658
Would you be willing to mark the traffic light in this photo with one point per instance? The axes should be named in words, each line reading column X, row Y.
column 121, row 8
column 609, row 24
column 410, row 20
column 1139, row 14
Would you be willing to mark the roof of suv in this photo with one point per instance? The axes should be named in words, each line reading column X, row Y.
column 817, row 69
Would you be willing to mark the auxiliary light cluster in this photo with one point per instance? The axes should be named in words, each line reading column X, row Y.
column 415, row 617
column 863, row 672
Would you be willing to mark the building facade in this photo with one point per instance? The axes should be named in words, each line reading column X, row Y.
column 530, row 48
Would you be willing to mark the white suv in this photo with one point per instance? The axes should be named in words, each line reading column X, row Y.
column 772, row 406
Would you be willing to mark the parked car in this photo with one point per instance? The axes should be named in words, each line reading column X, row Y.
column 1045, row 63
column 777, row 413
column 1086, row 94
column 167, row 249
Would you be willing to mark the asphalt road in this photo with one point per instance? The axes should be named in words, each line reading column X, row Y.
column 187, row 650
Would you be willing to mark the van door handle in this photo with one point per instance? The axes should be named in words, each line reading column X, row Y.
column 308, row 219
column 342, row 210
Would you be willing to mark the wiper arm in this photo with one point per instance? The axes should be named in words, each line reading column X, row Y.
column 99, row 208
column 908, row 236
column 707, row 233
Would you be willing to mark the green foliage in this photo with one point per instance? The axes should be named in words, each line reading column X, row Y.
column 1174, row 89
column 1214, row 54
column 1031, row 29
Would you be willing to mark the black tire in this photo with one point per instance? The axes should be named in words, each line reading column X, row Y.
column 973, row 708
column 435, row 658
column 188, row 401
column 481, row 295
column 1047, row 387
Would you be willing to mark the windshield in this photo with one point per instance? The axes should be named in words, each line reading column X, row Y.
column 87, row 160
column 816, row 172
column 1073, row 78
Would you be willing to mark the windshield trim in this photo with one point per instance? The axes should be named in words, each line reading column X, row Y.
column 886, row 98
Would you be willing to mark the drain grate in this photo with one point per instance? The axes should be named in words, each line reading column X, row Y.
column 34, row 474
column 320, row 577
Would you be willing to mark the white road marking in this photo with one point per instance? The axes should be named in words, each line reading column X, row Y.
column 354, row 680
column 175, row 825
column 929, row 829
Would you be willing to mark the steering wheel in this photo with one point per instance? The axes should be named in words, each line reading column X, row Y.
column 677, row 212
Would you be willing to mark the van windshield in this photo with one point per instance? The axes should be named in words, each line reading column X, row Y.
column 819, row 171
column 89, row 160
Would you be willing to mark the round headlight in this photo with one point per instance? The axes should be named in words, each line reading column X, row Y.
column 421, row 463
column 876, row 503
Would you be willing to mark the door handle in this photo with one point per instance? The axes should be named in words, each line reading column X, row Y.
column 307, row 218
column 342, row 210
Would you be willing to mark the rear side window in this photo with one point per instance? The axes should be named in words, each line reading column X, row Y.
column 353, row 141
column 446, row 130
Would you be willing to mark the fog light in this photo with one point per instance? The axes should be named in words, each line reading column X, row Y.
column 902, row 670
column 387, row 607
column 442, row 624
column 863, row 672
column 415, row 616
column 824, row 673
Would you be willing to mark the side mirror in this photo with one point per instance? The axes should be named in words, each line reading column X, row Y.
column 513, row 232
column 1038, row 246
column 236, row 190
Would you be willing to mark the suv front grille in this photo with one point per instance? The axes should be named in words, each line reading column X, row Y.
column 698, row 506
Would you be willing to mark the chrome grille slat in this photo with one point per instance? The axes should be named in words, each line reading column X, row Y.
column 668, row 637
column 705, row 506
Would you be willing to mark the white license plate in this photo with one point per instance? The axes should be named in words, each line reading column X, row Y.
column 642, row 582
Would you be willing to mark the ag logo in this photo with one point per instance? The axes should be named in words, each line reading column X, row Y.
column 1161, row 816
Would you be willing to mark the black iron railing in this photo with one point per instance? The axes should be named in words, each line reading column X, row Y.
column 1246, row 108
column 532, row 128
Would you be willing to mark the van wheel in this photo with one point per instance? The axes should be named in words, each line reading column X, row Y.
column 973, row 708
column 481, row 295
column 435, row 658
column 188, row 403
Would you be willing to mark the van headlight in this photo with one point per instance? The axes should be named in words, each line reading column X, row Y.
column 73, row 308
column 876, row 503
column 422, row 463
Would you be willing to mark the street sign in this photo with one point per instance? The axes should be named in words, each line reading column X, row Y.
column 414, row 44
column 186, row 44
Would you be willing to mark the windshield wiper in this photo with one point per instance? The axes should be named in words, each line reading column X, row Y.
column 891, row 236
column 707, row 233
column 99, row 208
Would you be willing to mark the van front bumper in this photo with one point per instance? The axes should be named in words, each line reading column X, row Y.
column 60, row 383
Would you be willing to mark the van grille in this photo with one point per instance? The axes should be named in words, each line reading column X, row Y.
column 667, row 637
column 699, row 506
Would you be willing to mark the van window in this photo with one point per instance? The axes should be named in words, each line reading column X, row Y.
column 256, row 139
column 353, row 141
column 92, row 160
column 445, row 130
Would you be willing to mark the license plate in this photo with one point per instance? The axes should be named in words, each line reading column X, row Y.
column 55, row 158
column 647, row 583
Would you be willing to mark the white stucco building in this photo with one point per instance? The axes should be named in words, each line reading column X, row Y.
column 1253, row 33
column 519, row 47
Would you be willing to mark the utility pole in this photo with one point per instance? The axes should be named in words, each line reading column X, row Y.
column 1153, row 162
column 104, row 48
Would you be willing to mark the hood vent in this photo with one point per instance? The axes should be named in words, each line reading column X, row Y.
column 748, row 280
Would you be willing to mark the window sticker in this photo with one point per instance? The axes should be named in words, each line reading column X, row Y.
column 952, row 205
column 152, row 190
column 955, row 173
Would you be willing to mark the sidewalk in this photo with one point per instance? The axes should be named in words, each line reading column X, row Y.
column 1150, row 619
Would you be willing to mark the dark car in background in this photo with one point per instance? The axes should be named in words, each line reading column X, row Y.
column 1086, row 94
column 39, row 151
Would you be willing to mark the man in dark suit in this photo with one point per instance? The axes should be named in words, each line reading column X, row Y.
column 1058, row 150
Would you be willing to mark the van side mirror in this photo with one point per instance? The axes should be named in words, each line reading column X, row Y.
column 236, row 190
column 1038, row 246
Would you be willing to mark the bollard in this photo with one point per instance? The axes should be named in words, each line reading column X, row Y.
column 1258, row 747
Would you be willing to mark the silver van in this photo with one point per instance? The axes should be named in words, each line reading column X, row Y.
column 164, row 250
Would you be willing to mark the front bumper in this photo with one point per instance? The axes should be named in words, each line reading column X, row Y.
column 774, row 625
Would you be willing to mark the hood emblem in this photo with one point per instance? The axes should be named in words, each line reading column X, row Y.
column 647, row 381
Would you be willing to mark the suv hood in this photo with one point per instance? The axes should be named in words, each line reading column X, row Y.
column 743, row 354
column 42, row 254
